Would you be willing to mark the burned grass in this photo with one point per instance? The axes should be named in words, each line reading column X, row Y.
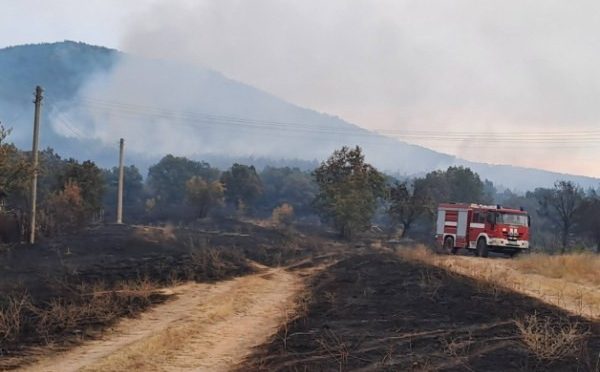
column 63, row 291
column 78, row 313
column 378, row 312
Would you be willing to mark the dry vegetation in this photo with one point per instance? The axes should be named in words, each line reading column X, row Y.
column 68, row 290
column 165, row 344
column 368, row 309
column 552, row 340
column 77, row 314
column 569, row 281
column 375, row 312
column 207, row 327
column 582, row 268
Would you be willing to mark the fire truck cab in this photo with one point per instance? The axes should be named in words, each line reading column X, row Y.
column 482, row 228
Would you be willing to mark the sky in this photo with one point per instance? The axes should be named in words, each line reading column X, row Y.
column 512, row 82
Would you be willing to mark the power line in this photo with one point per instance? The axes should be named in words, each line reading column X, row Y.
column 578, row 139
column 71, row 128
column 185, row 113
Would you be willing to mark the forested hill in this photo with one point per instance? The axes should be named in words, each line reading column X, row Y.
column 61, row 69
column 94, row 95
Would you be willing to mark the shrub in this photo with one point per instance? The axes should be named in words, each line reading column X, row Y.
column 283, row 215
column 550, row 340
column 64, row 210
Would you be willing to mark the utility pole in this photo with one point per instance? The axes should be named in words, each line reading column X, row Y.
column 34, row 156
column 120, row 191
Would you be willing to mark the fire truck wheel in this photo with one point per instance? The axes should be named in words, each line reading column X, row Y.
column 449, row 246
column 482, row 248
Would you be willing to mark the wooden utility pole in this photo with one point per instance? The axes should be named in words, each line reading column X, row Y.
column 34, row 160
column 120, row 191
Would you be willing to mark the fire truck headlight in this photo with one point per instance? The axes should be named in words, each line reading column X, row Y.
column 504, row 229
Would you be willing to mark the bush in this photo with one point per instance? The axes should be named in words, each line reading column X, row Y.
column 550, row 340
column 283, row 215
column 64, row 210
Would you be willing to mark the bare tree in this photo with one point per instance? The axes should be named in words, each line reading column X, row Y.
column 561, row 205
column 588, row 221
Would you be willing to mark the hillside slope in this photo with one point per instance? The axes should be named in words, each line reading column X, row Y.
column 94, row 95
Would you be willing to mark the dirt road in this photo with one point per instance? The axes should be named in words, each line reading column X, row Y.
column 208, row 327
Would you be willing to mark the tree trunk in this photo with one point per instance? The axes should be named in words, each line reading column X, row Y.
column 405, row 227
column 565, row 239
column 346, row 232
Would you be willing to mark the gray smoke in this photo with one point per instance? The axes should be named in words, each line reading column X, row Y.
column 503, row 66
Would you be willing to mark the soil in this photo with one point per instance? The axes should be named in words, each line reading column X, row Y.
column 374, row 312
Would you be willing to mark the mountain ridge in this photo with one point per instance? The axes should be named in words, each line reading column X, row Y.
column 123, row 95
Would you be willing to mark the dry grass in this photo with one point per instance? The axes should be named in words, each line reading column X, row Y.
column 550, row 340
column 569, row 281
column 11, row 317
column 150, row 353
column 334, row 345
column 167, row 345
column 420, row 253
column 79, row 311
column 583, row 268
column 163, row 346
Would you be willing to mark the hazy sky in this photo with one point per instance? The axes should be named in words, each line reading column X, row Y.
column 442, row 69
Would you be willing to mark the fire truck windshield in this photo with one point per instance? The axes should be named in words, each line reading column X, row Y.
column 512, row 219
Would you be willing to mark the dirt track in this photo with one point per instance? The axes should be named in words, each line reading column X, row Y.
column 207, row 327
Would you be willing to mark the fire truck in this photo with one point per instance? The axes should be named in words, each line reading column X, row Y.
column 482, row 228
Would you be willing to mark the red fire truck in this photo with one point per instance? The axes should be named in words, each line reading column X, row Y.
column 482, row 228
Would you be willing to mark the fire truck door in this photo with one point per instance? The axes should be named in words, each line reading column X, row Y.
column 461, row 226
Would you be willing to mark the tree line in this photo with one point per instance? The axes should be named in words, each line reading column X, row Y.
column 73, row 194
column 344, row 191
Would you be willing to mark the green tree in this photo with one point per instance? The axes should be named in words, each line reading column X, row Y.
column 167, row 178
column 489, row 192
column 288, row 185
column 51, row 167
column 242, row 184
column 407, row 204
column 543, row 234
column 64, row 210
column 349, row 190
column 90, row 181
column 465, row 185
column 561, row 205
column 15, row 170
column 133, row 191
column 456, row 184
column 204, row 195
